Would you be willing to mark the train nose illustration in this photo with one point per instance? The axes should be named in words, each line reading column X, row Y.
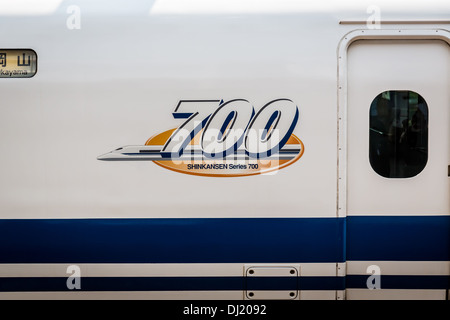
column 133, row 153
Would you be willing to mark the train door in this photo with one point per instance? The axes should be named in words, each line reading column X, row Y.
column 398, row 157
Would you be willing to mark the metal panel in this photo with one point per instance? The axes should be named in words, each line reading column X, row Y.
column 266, row 282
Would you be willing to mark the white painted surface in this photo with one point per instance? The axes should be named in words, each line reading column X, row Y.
column 155, row 295
column 124, row 295
column 395, row 294
column 430, row 268
column 114, row 83
column 156, row 269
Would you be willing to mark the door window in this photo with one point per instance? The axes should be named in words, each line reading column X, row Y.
column 398, row 137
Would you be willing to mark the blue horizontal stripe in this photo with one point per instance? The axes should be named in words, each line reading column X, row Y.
column 398, row 238
column 401, row 282
column 172, row 284
column 322, row 283
column 221, row 283
column 202, row 240
column 225, row 240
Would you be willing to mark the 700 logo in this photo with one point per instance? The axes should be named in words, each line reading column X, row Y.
column 223, row 139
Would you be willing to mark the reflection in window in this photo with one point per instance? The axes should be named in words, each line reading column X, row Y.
column 398, row 134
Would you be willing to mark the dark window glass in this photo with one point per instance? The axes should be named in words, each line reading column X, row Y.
column 398, row 134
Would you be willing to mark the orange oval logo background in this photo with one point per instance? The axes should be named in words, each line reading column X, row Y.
column 234, row 167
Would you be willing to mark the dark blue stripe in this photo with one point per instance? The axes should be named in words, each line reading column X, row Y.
column 412, row 238
column 401, row 282
column 172, row 284
column 258, row 240
column 222, row 283
column 249, row 240
column 125, row 284
column 322, row 283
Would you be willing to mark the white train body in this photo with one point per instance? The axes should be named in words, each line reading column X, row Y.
column 287, row 150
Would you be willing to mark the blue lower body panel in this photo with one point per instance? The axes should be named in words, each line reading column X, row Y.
column 271, row 240
column 224, row 240
column 398, row 238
